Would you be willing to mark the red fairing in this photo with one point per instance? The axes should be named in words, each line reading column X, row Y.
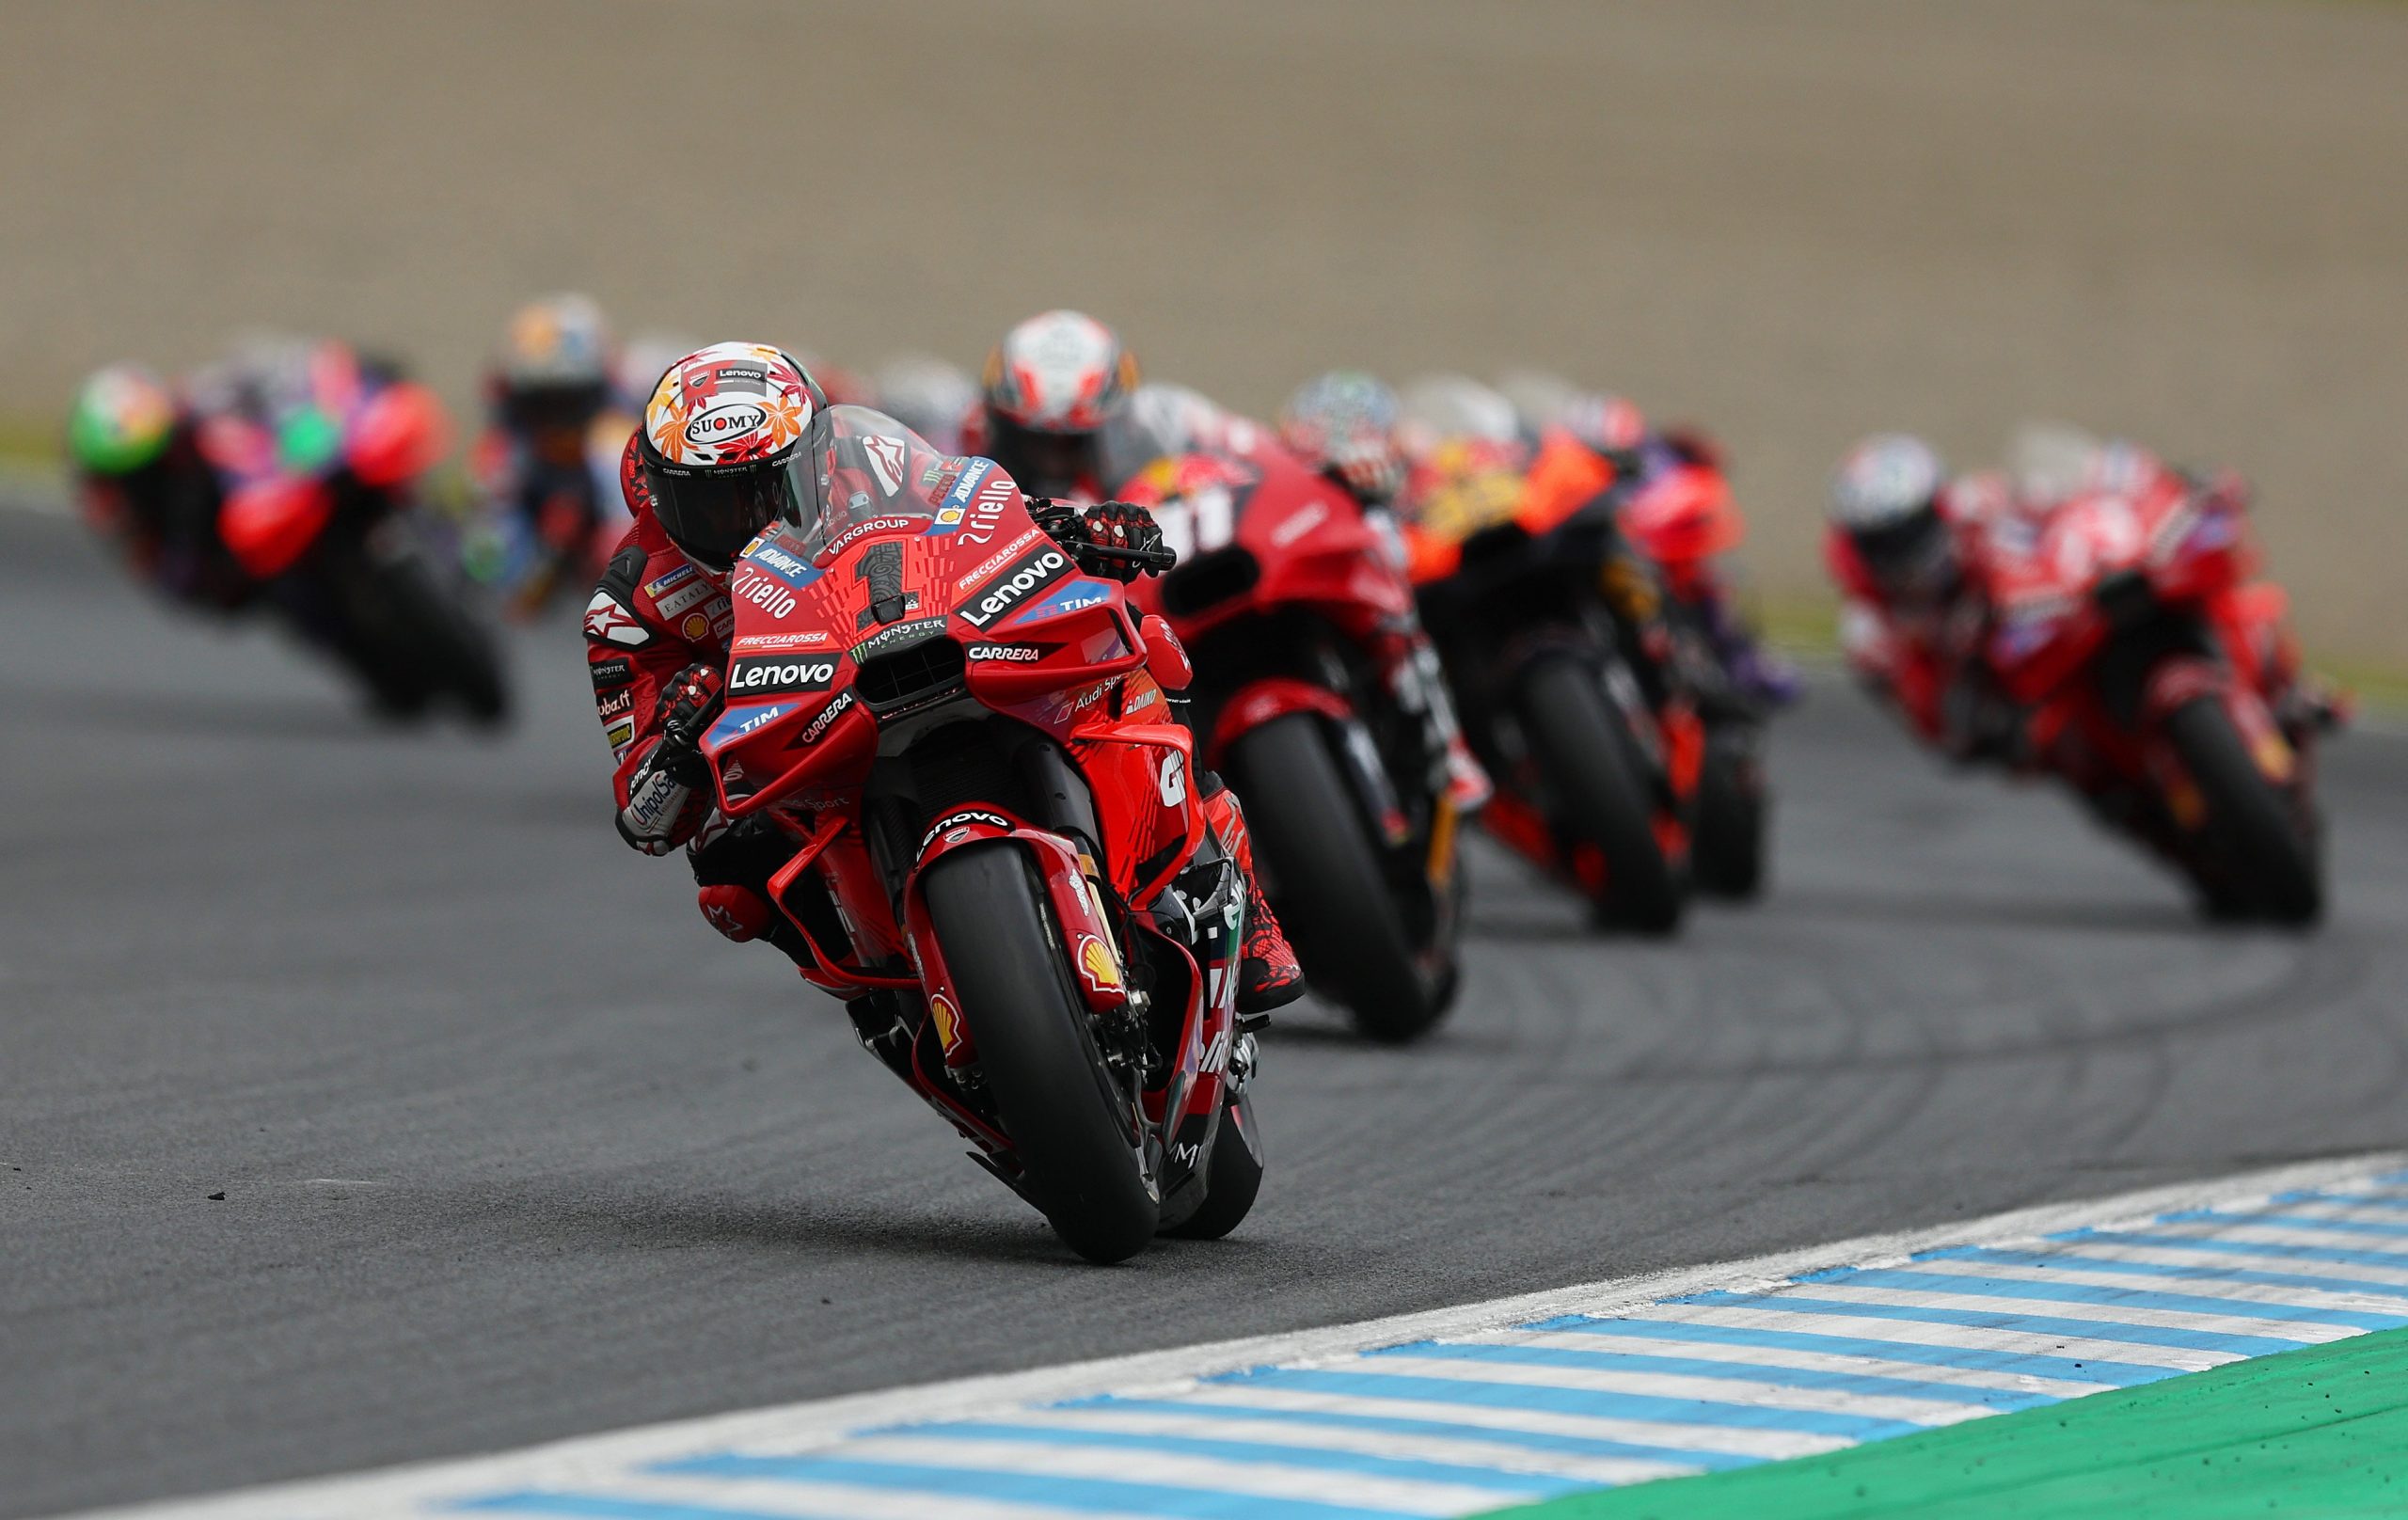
column 2155, row 545
column 400, row 433
column 1260, row 702
column 1313, row 546
column 270, row 524
column 1681, row 519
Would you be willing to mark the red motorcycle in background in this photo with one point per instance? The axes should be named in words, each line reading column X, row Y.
column 321, row 509
column 1294, row 613
column 1682, row 518
column 2163, row 686
column 1001, row 862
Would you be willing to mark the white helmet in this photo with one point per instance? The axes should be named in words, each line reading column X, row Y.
column 1885, row 480
column 1886, row 498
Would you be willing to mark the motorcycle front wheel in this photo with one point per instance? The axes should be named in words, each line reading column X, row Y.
column 1596, row 783
column 1334, row 901
column 1076, row 1133
column 2266, row 853
column 1729, row 853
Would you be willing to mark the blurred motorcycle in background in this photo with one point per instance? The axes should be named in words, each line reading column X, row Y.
column 2161, row 682
column 325, row 455
column 1566, row 673
column 1682, row 518
column 1314, row 705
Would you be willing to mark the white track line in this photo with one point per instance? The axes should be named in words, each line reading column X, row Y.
column 611, row 1462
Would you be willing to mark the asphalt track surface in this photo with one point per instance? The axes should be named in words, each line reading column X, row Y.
column 512, row 1147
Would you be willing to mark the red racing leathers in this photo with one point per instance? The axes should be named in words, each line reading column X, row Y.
column 653, row 613
column 1922, row 653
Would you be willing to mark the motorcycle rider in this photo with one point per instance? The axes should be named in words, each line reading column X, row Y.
column 710, row 466
column 552, row 389
column 144, row 481
column 1641, row 454
column 1344, row 424
column 1903, row 543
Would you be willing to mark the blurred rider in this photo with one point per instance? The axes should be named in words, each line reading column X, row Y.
column 1644, row 456
column 1056, row 409
column 658, row 627
column 1901, row 545
column 552, row 390
column 145, row 483
column 1344, row 424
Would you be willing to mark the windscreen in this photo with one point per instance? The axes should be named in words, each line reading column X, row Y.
column 866, row 466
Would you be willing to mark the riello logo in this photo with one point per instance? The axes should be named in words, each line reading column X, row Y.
column 726, row 423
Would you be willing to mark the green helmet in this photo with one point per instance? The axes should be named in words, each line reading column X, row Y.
column 122, row 421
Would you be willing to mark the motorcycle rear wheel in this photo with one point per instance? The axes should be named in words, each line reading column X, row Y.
column 1334, row 901
column 2268, row 853
column 1595, row 778
column 1074, row 1129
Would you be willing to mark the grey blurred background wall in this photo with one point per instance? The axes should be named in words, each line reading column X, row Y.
column 2187, row 219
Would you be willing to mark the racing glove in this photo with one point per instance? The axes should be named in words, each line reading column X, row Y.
column 1118, row 540
column 667, row 796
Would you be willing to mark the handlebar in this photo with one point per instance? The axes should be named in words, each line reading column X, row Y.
column 1159, row 559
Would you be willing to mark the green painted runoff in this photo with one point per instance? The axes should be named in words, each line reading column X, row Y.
column 2319, row 1431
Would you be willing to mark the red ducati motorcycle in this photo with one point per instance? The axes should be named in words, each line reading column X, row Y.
column 2162, row 685
column 1001, row 860
column 322, row 510
column 1285, row 596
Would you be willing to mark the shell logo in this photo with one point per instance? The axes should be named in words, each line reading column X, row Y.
column 948, row 1022
column 1097, row 964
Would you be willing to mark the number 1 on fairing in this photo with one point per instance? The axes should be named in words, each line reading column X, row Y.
column 1198, row 522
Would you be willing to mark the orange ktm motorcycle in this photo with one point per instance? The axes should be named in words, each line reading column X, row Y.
column 1554, row 640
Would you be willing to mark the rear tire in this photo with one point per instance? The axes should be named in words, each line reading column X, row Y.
column 1073, row 1129
column 2268, row 853
column 1728, row 854
column 1334, row 900
column 1596, row 781
column 1232, row 1177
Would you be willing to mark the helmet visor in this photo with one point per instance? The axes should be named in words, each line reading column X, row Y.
column 712, row 514
column 1913, row 554
column 1048, row 464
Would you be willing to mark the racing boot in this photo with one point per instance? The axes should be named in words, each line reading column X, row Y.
column 1268, row 975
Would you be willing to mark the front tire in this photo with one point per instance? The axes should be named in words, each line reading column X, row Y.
column 1729, row 853
column 1075, row 1132
column 1232, row 1177
column 1596, row 783
column 1334, row 900
column 2265, row 850
column 457, row 654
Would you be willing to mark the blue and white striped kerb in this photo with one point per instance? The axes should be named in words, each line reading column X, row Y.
column 1480, row 1421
